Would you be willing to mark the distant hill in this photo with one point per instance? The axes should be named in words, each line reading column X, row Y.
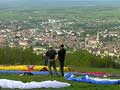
column 56, row 3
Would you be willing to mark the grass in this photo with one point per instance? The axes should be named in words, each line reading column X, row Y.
column 74, row 85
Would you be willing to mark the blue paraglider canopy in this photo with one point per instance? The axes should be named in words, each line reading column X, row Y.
column 87, row 79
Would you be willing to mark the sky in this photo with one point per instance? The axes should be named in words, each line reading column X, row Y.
column 63, row 0
column 59, row 3
column 55, row 0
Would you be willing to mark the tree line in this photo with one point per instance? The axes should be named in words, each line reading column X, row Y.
column 12, row 56
column 80, row 58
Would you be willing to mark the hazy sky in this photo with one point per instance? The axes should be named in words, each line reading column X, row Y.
column 57, row 3
column 63, row 0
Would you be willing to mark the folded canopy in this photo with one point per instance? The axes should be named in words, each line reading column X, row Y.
column 87, row 79
column 4, row 83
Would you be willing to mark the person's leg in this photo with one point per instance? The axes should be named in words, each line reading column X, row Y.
column 46, row 62
column 49, row 67
column 62, row 68
column 54, row 67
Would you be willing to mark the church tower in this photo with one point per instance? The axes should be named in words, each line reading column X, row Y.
column 98, row 39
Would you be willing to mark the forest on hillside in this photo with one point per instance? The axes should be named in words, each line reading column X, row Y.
column 81, row 58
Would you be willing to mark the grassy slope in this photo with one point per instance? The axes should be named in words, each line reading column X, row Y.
column 74, row 85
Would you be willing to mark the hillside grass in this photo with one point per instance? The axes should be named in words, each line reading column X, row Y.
column 79, row 61
column 74, row 85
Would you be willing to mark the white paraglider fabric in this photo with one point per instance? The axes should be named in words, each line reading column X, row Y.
column 4, row 83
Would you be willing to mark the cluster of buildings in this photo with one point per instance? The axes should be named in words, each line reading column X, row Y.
column 41, row 34
column 105, row 43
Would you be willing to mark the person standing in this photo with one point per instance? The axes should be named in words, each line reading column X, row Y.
column 51, row 53
column 61, row 58
column 45, row 59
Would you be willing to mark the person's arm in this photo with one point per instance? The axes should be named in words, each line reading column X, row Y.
column 47, row 54
column 65, row 51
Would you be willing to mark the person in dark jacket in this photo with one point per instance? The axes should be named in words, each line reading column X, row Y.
column 61, row 58
column 51, row 53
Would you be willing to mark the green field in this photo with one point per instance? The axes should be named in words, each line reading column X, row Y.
column 74, row 85
column 84, row 18
column 88, row 13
